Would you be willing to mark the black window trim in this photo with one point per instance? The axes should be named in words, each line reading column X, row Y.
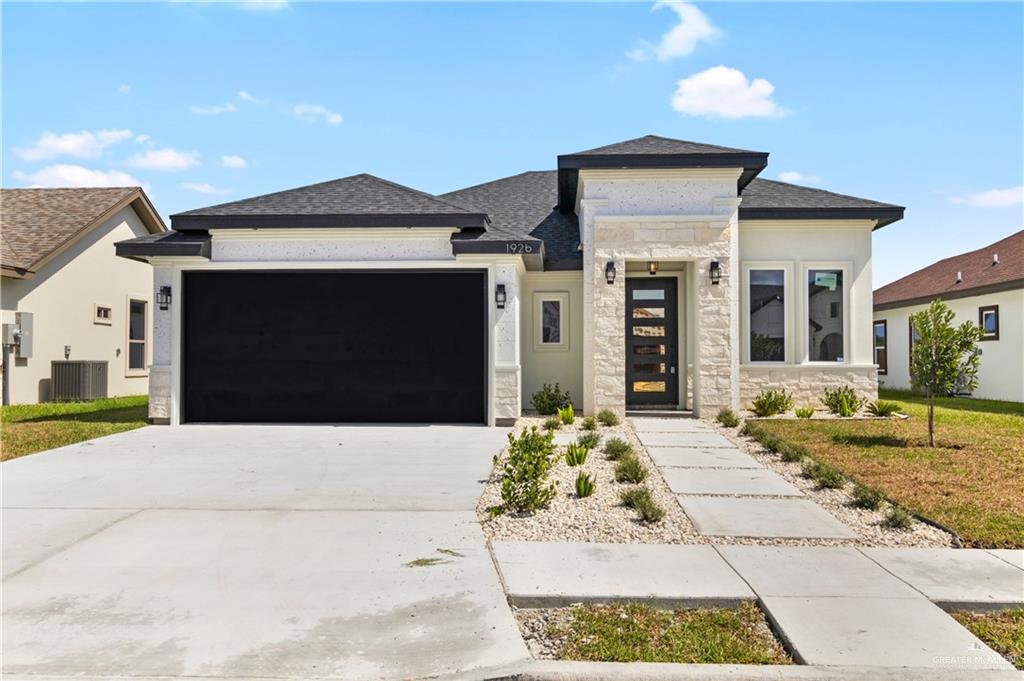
column 882, row 370
column 994, row 309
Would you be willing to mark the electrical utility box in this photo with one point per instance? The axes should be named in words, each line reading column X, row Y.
column 24, row 322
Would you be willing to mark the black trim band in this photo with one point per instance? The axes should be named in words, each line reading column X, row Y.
column 185, row 222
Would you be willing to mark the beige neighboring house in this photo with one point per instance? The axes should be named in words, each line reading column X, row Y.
column 72, row 297
column 986, row 287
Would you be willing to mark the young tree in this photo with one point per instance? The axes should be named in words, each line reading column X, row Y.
column 943, row 357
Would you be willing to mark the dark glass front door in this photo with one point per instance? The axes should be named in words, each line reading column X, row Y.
column 652, row 367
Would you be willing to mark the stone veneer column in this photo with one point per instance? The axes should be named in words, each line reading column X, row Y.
column 160, row 369
column 507, row 369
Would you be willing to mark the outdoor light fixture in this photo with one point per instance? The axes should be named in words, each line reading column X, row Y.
column 609, row 272
column 716, row 272
column 652, row 267
column 499, row 296
column 163, row 297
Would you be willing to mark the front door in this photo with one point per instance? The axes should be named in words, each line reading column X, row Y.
column 652, row 366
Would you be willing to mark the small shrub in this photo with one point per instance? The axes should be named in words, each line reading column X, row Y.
column 584, row 485
column 608, row 418
column 899, row 519
column 548, row 400
column 865, row 496
column 589, row 423
column 772, row 402
column 566, row 415
column 616, row 448
column 825, row 475
column 524, row 482
column 804, row 412
column 634, row 496
column 842, row 401
column 552, row 423
column 590, row 439
column 650, row 510
column 884, row 408
column 576, row 455
column 791, row 452
column 728, row 418
column 629, row 469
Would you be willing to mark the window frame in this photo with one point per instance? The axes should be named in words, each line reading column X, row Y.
column 882, row 370
column 128, row 370
column 844, row 266
column 96, row 319
column 788, row 309
column 994, row 309
column 562, row 298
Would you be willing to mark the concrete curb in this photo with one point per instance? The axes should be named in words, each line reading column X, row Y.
column 562, row 601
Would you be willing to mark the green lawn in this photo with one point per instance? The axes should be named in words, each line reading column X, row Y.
column 972, row 480
column 29, row 428
column 639, row 633
column 1001, row 631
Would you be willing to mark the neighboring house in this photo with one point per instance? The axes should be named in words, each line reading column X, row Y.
column 64, row 284
column 986, row 287
column 624, row 275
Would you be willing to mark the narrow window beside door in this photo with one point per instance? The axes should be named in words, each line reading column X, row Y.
column 767, row 315
column 136, row 335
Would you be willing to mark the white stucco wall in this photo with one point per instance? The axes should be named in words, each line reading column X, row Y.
column 1001, row 375
column 796, row 247
column 62, row 297
column 559, row 365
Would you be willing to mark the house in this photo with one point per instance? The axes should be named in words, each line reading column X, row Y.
column 986, row 287
column 625, row 275
column 67, row 292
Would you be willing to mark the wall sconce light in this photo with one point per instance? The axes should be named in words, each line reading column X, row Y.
column 163, row 297
column 715, row 272
column 499, row 296
column 652, row 267
column 609, row 272
column 67, row 352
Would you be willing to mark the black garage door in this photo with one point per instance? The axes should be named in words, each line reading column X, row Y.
column 395, row 346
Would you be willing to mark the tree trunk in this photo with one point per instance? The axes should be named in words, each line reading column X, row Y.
column 931, row 421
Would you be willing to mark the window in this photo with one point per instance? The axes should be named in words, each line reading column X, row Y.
column 551, row 313
column 102, row 314
column 988, row 320
column 881, row 347
column 826, row 326
column 912, row 334
column 767, row 297
column 136, row 335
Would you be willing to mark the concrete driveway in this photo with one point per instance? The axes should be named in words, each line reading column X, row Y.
column 254, row 551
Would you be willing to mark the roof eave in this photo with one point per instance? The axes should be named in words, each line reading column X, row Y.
column 1011, row 285
column 883, row 215
column 142, row 250
column 188, row 222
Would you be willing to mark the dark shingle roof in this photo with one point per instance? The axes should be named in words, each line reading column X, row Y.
column 522, row 207
column 769, row 199
column 978, row 274
column 653, row 144
column 165, row 244
column 37, row 222
column 357, row 201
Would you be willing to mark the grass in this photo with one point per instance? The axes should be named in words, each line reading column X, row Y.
column 971, row 482
column 639, row 633
column 29, row 428
column 1001, row 631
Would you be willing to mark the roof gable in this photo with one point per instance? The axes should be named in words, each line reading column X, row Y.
column 357, row 201
column 655, row 145
column 979, row 273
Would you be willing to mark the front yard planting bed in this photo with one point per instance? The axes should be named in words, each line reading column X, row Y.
column 30, row 428
column 1001, row 631
column 972, row 481
column 636, row 632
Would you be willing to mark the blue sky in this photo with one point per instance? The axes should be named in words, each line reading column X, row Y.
column 918, row 104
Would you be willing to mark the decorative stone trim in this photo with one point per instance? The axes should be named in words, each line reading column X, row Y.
column 806, row 382
column 160, row 394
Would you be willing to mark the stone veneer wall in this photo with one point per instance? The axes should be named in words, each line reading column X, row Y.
column 160, row 369
column 806, row 383
column 507, row 369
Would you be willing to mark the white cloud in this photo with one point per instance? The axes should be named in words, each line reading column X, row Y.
column 124, row 88
column 214, row 109
column 165, row 159
column 68, row 175
column 265, row 5
column 85, row 144
column 723, row 92
column 203, row 188
column 233, row 161
column 798, row 178
column 993, row 197
column 142, row 139
column 314, row 112
column 682, row 39
column 246, row 97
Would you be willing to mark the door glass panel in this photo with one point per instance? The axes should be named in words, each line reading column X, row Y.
column 649, row 350
column 649, row 368
column 648, row 331
column 551, row 321
column 649, row 386
column 648, row 312
column 648, row 294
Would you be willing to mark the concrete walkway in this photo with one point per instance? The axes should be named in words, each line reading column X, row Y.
column 833, row 606
column 254, row 552
column 726, row 492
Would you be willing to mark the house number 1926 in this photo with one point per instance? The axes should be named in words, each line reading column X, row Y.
column 518, row 247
